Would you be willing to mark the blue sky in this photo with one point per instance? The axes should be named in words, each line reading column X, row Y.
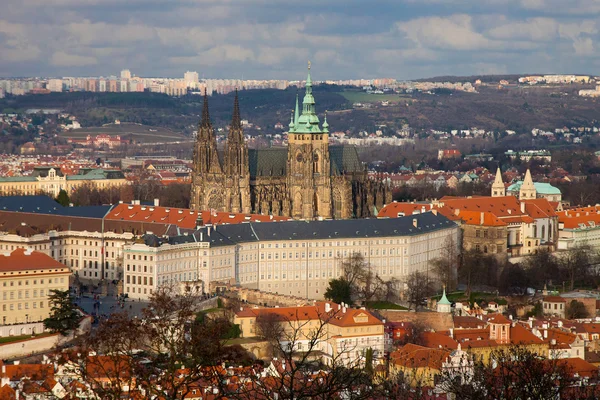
column 273, row 39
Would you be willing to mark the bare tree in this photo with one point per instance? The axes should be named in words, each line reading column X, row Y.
column 418, row 287
column 446, row 266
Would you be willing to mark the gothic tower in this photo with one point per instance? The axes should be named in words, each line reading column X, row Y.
column 236, row 166
column 498, row 188
column 309, row 177
column 208, row 177
column 527, row 190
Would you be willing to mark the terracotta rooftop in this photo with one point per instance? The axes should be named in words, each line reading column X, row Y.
column 415, row 356
column 27, row 260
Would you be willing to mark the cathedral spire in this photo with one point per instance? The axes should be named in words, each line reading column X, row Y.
column 205, row 122
column 297, row 112
column 236, row 121
column 307, row 122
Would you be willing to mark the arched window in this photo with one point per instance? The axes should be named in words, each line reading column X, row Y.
column 543, row 232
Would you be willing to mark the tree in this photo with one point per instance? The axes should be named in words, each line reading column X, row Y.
column 576, row 310
column 339, row 291
column 575, row 264
column 63, row 315
column 445, row 266
column 418, row 288
column 515, row 372
column 62, row 198
column 364, row 283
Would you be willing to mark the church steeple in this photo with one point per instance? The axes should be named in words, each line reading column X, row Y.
column 307, row 122
column 498, row 188
column 205, row 151
column 527, row 190
column 236, row 121
column 205, row 121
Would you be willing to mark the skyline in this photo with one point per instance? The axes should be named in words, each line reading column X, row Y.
column 255, row 39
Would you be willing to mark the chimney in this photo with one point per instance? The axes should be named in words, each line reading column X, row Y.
column 415, row 223
column 530, row 321
column 545, row 333
column 452, row 333
column 481, row 218
column 456, row 212
column 523, row 207
column 327, row 307
column 560, row 324
column 156, row 202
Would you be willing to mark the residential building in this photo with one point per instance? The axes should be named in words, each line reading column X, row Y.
column 347, row 332
column 125, row 74
column 26, row 279
column 579, row 227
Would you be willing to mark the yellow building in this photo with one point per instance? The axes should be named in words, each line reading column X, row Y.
column 417, row 364
column 345, row 333
column 52, row 181
column 26, row 279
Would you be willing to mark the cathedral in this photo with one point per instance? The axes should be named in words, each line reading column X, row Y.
column 308, row 179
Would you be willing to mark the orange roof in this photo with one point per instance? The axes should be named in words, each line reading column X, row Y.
column 554, row 299
column 394, row 210
column 579, row 219
column 182, row 217
column 335, row 316
column 579, row 366
column 7, row 393
column 560, row 336
column 437, row 340
column 499, row 319
column 520, row 335
column 25, row 260
column 539, row 208
column 415, row 356
column 37, row 372
column 481, row 218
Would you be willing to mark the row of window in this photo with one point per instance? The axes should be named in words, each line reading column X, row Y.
column 33, row 281
column 10, row 294
column 34, row 304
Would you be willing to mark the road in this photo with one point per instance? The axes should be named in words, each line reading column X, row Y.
column 109, row 305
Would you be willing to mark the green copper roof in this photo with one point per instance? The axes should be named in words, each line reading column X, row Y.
column 444, row 299
column 308, row 121
column 540, row 187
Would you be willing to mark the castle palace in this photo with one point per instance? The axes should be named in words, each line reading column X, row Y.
column 307, row 180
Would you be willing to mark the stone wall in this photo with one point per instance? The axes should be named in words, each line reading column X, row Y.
column 254, row 296
column 28, row 347
column 21, row 329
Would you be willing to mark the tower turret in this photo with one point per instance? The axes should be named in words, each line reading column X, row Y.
column 527, row 190
column 498, row 188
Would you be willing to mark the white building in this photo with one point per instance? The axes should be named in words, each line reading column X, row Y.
column 125, row 74
column 293, row 258
column 55, row 85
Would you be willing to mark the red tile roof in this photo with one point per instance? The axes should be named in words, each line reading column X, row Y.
column 27, row 260
column 415, row 356
column 182, row 217
column 393, row 210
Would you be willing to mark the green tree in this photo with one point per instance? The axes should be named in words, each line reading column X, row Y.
column 62, row 198
column 339, row 291
column 369, row 361
column 63, row 316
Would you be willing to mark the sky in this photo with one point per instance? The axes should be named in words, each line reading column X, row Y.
column 274, row 39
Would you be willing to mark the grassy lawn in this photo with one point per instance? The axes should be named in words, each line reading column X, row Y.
column 384, row 305
column 10, row 339
column 363, row 97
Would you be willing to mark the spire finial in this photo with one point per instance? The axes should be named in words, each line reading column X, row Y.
column 309, row 65
column 205, row 122
column 297, row 112
column 236, row 121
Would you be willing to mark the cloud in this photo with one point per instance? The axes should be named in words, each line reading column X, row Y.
column 62, row 59
column 272, row 39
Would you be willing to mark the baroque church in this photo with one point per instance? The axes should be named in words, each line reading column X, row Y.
column 308, row 179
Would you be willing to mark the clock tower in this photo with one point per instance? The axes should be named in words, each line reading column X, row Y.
column 309, row 177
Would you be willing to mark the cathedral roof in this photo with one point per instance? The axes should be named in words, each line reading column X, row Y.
column 273, row 161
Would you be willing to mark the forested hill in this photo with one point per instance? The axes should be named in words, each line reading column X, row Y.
column 519, row 108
